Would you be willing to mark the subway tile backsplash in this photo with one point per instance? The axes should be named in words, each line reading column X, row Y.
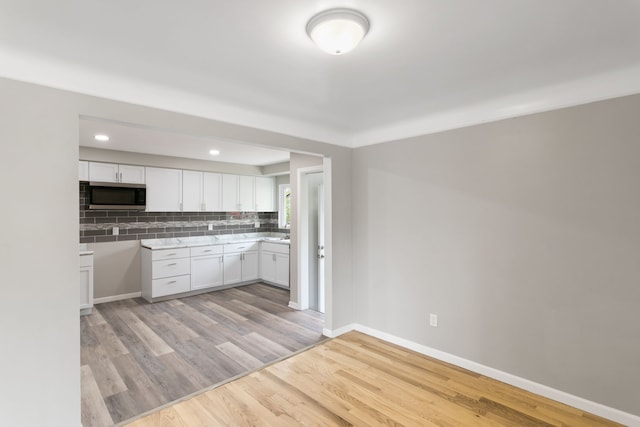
column 96, row 225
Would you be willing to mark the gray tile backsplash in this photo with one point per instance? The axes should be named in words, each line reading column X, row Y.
column 96, row 225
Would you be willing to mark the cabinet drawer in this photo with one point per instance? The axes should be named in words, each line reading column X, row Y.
column 275, row 247
column 207, row 250
column 86, row 260
column 170, row 253
column 240, row 247
column 170, row 285
column 170, row 268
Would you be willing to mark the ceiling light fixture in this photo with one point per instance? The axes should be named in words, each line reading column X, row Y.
column 101, row 137
column 337, row 31
column 214, row 152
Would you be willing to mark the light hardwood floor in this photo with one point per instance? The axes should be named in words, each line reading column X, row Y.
column 359, row 380
column 137, row 356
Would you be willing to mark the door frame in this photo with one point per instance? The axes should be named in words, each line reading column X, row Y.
column 302, row 222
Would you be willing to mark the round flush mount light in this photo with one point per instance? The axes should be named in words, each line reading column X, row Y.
column 214, row 152
column 337, row 31
column 101, row 137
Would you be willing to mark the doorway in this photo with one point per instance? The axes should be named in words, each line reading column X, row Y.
column 311, row 213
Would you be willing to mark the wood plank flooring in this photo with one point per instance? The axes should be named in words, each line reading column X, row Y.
column 359, row 380
column 137, row 356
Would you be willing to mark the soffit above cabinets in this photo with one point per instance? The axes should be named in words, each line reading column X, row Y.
column 424, row 66
column 138, row 139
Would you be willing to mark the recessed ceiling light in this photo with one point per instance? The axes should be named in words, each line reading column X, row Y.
column 101, row 137
column 337, row 31
column 214, row 152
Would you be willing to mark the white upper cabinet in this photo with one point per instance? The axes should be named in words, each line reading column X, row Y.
column 164, row 190
column 212, row 192
column 238, row 193
column 191, row 191
column 112, row 172
column 103, row 172
column 131, row 174
column 83, row 170
column 246, row 193
column 265, row 194
column 201, row 191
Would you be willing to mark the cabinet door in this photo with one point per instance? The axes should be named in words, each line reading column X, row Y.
column 131, row 174
column 164, row 190
column 191, row 191
column 86, row 287
column 265, row 194
column 212, row 193
column 103, row 172
column 268, row 266
column 206, row 272
column 282, row 270
column 229, row 193
column 250, row 266
column 232, row 268
column 246, row 193
column 83, row 171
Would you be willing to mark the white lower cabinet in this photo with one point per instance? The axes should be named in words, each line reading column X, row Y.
column 86, row 284
column 181, row 270
column 274, row 264
column 241, row 262
column 206, row 267
column 165, row 272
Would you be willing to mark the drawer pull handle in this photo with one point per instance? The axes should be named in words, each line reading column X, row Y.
column 241, row 247
column 172, row 282
column 207, row 250
column 172, row 264
column 172, row 254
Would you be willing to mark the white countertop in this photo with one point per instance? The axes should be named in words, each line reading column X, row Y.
column 187, row 242
column 83, row 250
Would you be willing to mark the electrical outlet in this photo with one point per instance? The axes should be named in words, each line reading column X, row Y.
column 433, row 320
column 257, row 224
column 210, row 227
column 116, row 231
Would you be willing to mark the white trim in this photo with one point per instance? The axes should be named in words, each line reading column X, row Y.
column 116, row 297
column 294, row 305
column 514, row 380
column 337, row 332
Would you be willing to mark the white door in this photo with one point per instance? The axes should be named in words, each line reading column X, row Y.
column 229, row 193
column 265, row 194
column 232, row 268
column 246, row 193
column 131, row 174
column 268, row 266
column 321, row 248
column 191, row 191
column 206, row 272
column 103, row 172
column 212, row 192
column 164, row 190
column 282, row 269
column 250, row 266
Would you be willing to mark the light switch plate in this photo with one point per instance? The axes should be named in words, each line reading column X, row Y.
column 116, row 231
column 210, row 227
column 257, row 224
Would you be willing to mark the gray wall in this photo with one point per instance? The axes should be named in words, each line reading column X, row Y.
column 39, row 325
column 39, row 313
column 522, row 235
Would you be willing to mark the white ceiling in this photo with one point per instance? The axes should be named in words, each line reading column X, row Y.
column 138, row 139
column 426, row 65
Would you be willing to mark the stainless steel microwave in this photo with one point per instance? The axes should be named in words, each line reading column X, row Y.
column 108, row 195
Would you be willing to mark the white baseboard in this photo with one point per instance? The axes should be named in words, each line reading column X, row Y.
column 540, row 389
column 332, row 333
column 116, row 297
column 294, row 305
